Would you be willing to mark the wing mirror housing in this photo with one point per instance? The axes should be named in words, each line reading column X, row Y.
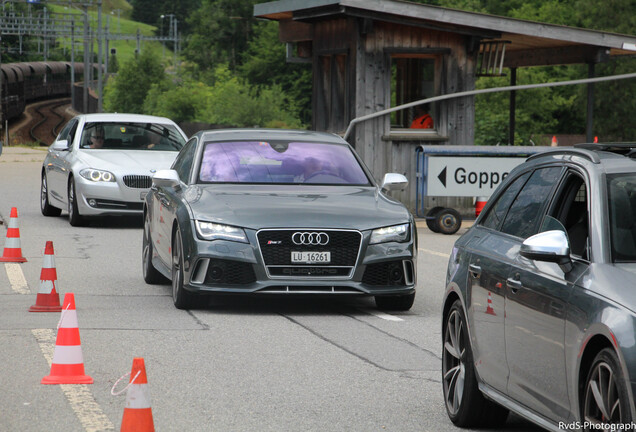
column 549, row 246
column 394, row 181
column 166, row 178
column 61, row 145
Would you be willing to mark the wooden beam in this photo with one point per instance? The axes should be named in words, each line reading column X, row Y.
column 571, row 54
column 295, row 31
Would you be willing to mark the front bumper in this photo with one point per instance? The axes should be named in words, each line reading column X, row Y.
column 239, row 268
column 108, row 198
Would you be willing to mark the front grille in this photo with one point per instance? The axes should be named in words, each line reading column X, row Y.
column 229, row 272
column 386, row 274
column 138, row 181
column 277, row 246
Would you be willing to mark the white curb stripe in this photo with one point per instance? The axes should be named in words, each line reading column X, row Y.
column 79, row 396
column 16, row 278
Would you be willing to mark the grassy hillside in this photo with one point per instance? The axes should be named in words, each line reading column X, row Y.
column 115, row 15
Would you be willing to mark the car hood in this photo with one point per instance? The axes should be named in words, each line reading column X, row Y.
column 129, row 161
column 257, row 207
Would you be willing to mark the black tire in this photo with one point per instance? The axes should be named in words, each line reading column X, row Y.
column 448, row 221
column 151, row 275
column 182, row 298
column 46, row 208
column 465, row 404
column 431, row 218
column 395, row 303
column 74, row 216
column 606, row 399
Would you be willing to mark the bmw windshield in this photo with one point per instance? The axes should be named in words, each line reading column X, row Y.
column 258, row 162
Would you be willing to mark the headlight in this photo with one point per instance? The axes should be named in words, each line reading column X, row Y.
column 395, row 233
column 213, row 231
column 97, row 175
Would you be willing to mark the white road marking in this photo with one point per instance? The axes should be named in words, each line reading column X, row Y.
column 79, row 396
column 382, row 315
column 428, row 251
column 16, row 278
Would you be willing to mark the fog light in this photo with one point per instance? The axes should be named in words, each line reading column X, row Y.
column 92, row 202
column 216, row 273
column 395, row 274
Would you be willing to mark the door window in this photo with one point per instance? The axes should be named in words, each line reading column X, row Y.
column 497, row 212
column 527, row 210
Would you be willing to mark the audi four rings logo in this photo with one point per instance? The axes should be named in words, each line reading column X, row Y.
column 310, row 238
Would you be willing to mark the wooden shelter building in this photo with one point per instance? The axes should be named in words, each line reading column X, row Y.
column 370, row 55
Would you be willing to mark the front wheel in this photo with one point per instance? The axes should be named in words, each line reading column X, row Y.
column 45, row 207
column 465, row 404
column 606, row 399
column 182, row 298
column 151, row 274
column 74, row 217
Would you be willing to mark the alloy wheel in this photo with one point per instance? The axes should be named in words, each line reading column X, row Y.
column 602, row 397
column 453, row 362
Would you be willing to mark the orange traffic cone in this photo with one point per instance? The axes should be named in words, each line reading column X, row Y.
column 68, row 362
column 48, row 299
column 480, row 202
column 12, row 250
column 137, row 413
column 489, row 309
column 555, row 141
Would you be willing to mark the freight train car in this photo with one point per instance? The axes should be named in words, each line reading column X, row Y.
column 26, row 82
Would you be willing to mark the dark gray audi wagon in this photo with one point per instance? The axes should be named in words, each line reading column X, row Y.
column 278, row 212
column 539, row 315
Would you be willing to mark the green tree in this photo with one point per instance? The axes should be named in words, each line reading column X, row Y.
column 231, row 101
column 127, row 91
column 181, row 103
column 264, row 64
column 220, row 32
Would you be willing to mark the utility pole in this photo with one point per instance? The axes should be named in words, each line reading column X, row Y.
column 100, row 87
column 86, row 62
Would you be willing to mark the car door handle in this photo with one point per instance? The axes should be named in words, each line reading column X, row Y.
column 514, row 284
column 475, row 270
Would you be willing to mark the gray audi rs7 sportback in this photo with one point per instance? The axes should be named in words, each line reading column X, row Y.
column 278, row 212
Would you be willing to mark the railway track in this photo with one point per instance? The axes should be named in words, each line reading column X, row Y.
column 41, row 122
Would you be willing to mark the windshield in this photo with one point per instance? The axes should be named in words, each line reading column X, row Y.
column 622, row 209
column 281, row 163
column 131, row 136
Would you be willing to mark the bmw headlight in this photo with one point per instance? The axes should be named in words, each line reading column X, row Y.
column 395, row 233
column 97, row 175
column 214, row 231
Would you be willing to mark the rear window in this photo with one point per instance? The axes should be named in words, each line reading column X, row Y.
column 259, row 162
column 622, row 210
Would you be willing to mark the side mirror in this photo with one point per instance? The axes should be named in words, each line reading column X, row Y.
column 60, row 145
column 394, row 181
column 166, row 178
column 549, row 246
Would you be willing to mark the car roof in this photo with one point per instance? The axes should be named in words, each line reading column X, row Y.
column 132, row 118
column 261, row 134
column 612, row 157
